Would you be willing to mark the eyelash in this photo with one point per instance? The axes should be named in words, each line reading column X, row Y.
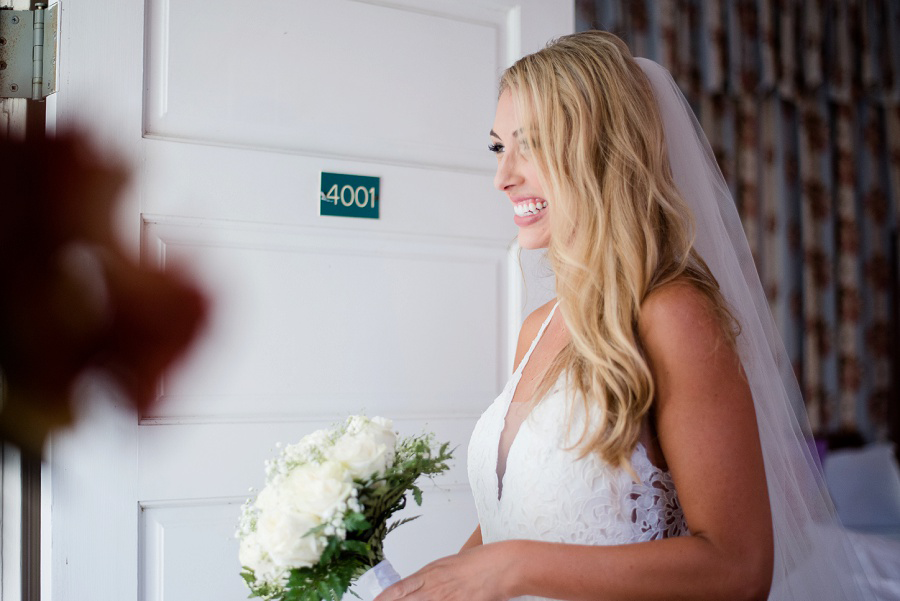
column 496, row 148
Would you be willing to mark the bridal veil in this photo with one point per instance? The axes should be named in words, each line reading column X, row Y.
column 815, row 559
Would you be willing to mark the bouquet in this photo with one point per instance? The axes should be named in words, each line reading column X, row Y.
column 320, row 521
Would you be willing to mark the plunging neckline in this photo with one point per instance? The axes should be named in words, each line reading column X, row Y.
column 514, row 386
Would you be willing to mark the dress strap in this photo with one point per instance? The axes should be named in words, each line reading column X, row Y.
column 536, row 338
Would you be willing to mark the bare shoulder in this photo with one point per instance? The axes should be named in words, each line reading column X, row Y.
column 530, row 328
column 701, row 392
column 680, row 317
column 688, row 348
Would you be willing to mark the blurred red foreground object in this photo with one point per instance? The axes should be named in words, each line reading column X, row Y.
column 72, row 299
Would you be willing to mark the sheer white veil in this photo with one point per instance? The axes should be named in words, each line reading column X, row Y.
column 814, row 558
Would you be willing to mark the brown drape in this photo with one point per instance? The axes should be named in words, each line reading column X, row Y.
column 800, row 102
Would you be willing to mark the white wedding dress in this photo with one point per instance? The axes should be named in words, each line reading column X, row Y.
column 543, row 491
column 548, row 494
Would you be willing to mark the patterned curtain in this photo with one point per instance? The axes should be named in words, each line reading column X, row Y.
column 800, row 100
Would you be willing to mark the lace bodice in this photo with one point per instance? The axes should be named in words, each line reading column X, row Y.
column 549, row 494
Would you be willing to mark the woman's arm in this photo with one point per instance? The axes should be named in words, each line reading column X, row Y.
column 707, row 430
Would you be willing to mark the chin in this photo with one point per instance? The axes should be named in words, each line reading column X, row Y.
column 530, row 241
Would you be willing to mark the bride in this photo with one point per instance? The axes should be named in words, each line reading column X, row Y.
column 646, row 446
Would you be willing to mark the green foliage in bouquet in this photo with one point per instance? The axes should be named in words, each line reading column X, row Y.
column 346, row 558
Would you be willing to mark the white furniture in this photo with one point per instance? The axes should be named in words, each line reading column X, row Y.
column 865, row 486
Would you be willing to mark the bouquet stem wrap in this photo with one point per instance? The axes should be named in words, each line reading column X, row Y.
column 373, row 582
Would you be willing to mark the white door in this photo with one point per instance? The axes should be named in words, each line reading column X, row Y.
column 228, row 112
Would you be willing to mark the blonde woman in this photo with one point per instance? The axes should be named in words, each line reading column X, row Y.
column 645, row 446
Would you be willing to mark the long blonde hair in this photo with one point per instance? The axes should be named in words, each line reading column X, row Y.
column 619, row 227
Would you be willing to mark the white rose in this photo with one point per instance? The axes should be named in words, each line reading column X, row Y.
column 319, row 489
column 382, row 430
column 383, row 423
column 308, row 496
column 251, row 555
column 267, row 497
column 282, row 536
column 367, row 448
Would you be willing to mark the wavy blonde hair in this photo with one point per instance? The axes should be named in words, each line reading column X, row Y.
column 619, row 227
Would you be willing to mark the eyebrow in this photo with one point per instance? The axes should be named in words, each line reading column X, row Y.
column 515, row 134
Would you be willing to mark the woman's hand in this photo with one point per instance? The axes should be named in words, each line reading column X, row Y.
column 481, row 573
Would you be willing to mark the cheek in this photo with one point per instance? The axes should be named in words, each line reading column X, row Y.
column 534, row 181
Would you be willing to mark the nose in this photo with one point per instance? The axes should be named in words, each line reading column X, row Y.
column 508, row 174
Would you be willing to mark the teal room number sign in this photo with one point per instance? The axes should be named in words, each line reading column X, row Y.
column 345, row 195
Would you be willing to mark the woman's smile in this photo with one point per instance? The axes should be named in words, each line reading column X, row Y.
column 528, row 211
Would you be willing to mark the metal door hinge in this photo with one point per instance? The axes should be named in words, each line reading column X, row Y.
column 28, row 52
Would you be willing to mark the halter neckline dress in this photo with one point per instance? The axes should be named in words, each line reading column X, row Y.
column 548, row 493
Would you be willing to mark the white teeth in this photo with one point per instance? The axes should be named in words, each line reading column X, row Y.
column 529, row 208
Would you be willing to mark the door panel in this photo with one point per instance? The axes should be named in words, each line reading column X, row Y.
column 341, row 78
column 321, row 321
column 411, row 316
